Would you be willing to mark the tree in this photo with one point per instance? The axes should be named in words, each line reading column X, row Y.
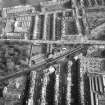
column 23, row 1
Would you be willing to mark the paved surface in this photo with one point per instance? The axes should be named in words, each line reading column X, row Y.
column 7, row 3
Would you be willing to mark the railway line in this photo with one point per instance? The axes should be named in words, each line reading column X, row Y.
column 48, row 62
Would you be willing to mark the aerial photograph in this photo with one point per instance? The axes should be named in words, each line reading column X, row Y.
column 52, row 52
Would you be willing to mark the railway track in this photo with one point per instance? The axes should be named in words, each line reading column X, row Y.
column 48, row 62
